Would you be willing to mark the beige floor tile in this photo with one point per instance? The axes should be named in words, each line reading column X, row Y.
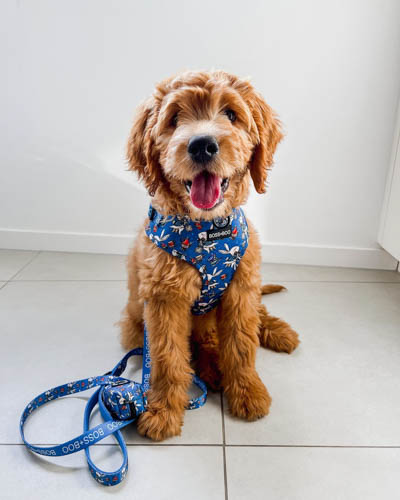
column 313, row 473
column 75, row 266
column 342, row 385
column 55, row 332
column 155, row 472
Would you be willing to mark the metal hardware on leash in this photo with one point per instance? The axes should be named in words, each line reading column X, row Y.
column 121, row 402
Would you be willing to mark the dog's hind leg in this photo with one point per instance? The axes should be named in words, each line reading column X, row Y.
column 131, row 323
column 276, row 334
column 205, row 349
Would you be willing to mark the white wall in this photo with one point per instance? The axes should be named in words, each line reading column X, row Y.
column 74, row 70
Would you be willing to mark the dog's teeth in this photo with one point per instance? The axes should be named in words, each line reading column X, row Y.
column 188, row 186
column 224, row 184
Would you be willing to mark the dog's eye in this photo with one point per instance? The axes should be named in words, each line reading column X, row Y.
column 230, row 114
column 174, row 120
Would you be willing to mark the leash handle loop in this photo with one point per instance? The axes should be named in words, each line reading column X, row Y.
column 110, row 426
column 87, row 438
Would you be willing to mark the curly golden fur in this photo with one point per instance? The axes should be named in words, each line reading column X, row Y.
column 220, row 345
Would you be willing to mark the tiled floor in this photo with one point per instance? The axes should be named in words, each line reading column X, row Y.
column 333, row 431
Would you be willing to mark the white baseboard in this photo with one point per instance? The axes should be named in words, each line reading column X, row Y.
column 369, row 258
column 57, row 241
column 316, row 255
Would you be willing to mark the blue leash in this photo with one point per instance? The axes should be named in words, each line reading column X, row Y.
column 120, row 401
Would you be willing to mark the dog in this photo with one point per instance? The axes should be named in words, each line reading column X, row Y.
column 236, row 134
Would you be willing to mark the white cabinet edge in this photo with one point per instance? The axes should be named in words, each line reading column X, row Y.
column 394, row 160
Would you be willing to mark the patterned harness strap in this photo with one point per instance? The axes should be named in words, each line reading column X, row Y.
column 120, row 401
column 214, row 247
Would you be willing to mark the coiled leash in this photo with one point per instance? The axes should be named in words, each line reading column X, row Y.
column 120, row 400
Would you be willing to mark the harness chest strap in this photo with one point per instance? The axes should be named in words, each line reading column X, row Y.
column 214, row 248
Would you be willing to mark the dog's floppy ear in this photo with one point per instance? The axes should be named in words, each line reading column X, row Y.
column 141, row 154
column 269, row 134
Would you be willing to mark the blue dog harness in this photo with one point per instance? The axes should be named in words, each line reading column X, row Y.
column 213, row 247
column 120, row 400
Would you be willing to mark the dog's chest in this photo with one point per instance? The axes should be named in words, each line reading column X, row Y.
column 213, row 247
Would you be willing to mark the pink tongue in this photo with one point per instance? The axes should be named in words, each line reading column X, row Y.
column 206, row 190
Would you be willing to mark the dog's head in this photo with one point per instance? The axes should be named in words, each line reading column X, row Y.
column 198, row 139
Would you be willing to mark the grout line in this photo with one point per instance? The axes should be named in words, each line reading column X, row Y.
column 337, row 281
column 282, row 281
column 219, row 445
column 173, row 445
column 224, row 446
column 23, row 267
column 57, row 280
column 310, row 446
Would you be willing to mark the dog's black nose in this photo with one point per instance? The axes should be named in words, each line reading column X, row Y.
column 202, row 148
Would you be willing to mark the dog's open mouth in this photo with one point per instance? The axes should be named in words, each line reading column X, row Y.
column 206, row 190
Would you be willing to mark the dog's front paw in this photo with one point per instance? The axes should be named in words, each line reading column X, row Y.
column 160, row 424
column 249, row 400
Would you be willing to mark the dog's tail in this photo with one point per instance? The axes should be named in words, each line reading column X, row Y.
column 266, row 289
